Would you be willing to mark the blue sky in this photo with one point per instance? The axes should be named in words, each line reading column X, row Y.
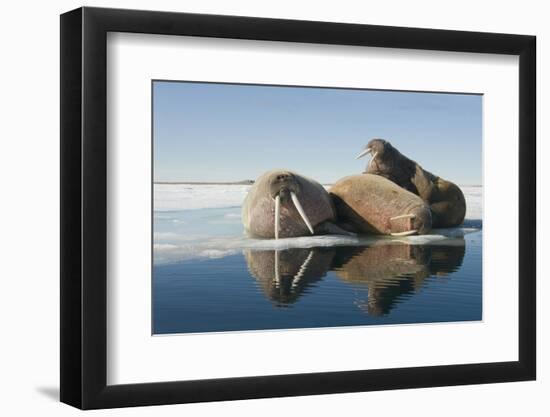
column 231, row 132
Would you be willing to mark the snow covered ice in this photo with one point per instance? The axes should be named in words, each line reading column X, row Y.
column 197, row 196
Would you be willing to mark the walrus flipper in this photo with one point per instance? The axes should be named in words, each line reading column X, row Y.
column 329, row 228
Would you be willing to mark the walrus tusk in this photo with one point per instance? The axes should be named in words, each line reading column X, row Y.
column 363, row 153
column 277, row 277
column 407, row 233
column 301, row 211
column 277, row 216
column 372, row 159
column 403, row 216
column 302, row 270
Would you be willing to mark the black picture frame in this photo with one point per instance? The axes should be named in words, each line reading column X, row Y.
column 84, row 207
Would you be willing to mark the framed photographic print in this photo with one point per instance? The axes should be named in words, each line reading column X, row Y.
column 258, row 207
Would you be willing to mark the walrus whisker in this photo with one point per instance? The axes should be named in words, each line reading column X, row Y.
column 301, row 211
column 403, row 216
column 363, row 153
column 277, row 215
column 407, row 233
column 302, row 270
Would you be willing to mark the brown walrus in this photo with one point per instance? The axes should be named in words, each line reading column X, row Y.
column 446, row 199
column 372, row 204
column 285, row 204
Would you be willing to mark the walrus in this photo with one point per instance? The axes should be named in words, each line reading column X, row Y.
column 372, row 204
column 284, row 204
column 284, row 275
column 445, row 198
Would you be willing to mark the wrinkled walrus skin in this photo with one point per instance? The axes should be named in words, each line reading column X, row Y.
column 258, row 211
column 445, row 199
column 372, row 204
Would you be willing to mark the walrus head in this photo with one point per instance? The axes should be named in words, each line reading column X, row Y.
column 384, row 156
column 378, row 148
column 282, row 183
column 283, row 188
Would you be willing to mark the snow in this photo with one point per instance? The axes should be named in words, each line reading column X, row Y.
column 196, row 196
column 474, row 201
column 203, row 222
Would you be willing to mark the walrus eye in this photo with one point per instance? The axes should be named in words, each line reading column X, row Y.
column 363, row 153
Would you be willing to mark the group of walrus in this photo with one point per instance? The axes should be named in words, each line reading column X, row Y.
column 394, row 196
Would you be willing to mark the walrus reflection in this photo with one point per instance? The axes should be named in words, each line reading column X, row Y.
column 388, row 271
column 447, row 259
column 392, row 272
column 284, row 275
column 446, row 200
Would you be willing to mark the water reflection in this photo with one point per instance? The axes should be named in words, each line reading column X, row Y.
column 285, row 274
column 382, row 275
column 447, row 259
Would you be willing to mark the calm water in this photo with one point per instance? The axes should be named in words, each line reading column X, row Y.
column 208, row 277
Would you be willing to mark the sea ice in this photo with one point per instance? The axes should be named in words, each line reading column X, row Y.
column 195, row 196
